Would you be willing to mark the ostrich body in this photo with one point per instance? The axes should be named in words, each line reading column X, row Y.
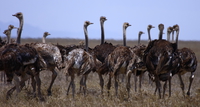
column 8, row 34
column 188, row 63
column 80, row 62
column 158, row 57
column 21, row 61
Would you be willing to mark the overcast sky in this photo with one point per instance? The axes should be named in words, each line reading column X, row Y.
column 68, row 16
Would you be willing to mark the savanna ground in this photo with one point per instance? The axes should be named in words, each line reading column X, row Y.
column 145, row 98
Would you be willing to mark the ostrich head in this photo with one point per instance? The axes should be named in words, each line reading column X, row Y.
column 126, row 24
column 176, row 27
column 19, row 15
column 102, row 19
column 149, row 27
column 46, row 34
column 140, row 33
column 161, row 27
column 87, row 23
column 6, row 32
column 10, row 27
column 169, row 29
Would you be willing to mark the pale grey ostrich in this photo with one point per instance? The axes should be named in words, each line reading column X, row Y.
column 79, row 61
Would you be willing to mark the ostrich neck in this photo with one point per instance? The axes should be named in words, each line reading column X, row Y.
column 19, row 31
column 102, row 33
column 168, row 36
column 139, row 36
column 8, row 37
column 177, row 34
column 44, row 39
column 172, row 36
column 148, row 30
column 160, row 34
column 86, row 38
column 124, row 36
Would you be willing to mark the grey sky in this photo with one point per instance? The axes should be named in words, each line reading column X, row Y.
column 68, row 16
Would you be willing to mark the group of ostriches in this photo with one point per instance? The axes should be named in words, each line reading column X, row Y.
column 161, row 59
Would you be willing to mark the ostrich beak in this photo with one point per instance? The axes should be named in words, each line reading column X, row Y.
column 91, row 23
column 153, row 26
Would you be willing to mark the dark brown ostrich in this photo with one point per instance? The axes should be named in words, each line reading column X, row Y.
column 188, row 63
column 8, row 34
column 20, row 61
column 158, row 58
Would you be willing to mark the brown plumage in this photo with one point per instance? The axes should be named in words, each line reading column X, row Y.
column 158, row 58
column 187, row 63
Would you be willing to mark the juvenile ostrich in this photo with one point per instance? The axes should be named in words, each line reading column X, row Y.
column 158, row 58
column 102, row 51
column 8, row 34
column 188, row 63
column 21, row 60
column 44, row 37
column 142, row 69
column 80, row 62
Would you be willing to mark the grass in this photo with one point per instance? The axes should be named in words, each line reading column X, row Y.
column 145, row 98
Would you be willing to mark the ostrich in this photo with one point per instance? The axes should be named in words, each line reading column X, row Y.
column 44, row 37
column 8, row 34
column 23, row 61
column 188, row 63
column 139, row 72
column 149, row 27
column 158, row 58
column 80, row 62
column 102, row 51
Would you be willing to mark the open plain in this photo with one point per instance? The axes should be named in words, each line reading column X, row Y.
column 93, row 98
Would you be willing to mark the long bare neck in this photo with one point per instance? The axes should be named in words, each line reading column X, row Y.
column 139, row 37
column 172, row 36
column 102, row 32
column 177, row 34
column 86, row 37
column 44, row 39
column 9, row 36
column 160, row 34
column 124, row 36
column 168, row 36
column 148, row 30
column 19, row 31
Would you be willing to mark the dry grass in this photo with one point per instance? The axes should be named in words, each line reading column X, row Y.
column 145, row 98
